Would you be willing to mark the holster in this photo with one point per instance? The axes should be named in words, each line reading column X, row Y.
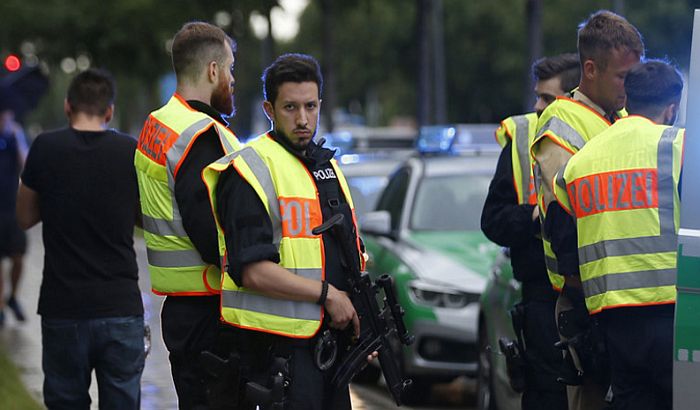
column 515, row 363
column 224, row 380
column 585, row 344
column 270, row 394
column 514, row 350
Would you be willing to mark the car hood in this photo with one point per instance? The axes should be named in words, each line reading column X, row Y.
column 461, row 260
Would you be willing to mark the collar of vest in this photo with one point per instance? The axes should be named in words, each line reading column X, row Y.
column 196, row 105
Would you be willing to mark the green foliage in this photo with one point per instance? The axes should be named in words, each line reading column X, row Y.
column 376, row 52
column 485, row 44
column 13, row 394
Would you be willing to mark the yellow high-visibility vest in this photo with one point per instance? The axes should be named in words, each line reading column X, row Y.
column 175, row 266
column 622, row 188
column 290, row 196
column 569, row 124
column 520, row 129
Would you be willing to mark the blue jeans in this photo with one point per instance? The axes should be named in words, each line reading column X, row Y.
column 72, row 348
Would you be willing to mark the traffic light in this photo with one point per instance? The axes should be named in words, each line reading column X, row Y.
column 12, row 63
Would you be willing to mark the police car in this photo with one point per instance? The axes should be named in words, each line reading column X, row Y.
column 501, row 293
column 425, row 233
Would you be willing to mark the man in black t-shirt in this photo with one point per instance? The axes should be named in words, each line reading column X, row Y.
column 80, row 182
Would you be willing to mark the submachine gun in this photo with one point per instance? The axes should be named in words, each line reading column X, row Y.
column 377, row 325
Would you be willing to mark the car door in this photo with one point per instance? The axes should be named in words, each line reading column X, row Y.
column 382, row 258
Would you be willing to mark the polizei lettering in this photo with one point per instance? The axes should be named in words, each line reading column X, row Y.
column 155, row 139
column 324, row 174
column 614, row 191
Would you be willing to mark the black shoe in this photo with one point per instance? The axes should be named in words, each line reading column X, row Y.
column 2, row 318
column 16, row 309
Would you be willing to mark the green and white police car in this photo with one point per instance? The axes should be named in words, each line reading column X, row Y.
column 425, row 233
column 501, row 294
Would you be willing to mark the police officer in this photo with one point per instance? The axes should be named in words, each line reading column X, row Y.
column 622, row 189
column 176, row 143
column 608, row 47
column 285, row 285
column 510, row 218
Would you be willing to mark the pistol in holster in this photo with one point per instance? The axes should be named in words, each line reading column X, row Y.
column 584, row 349
column 272, row 394
column 514, row 350
column 223, row 386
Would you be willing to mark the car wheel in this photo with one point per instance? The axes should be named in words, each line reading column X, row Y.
column 484, row 398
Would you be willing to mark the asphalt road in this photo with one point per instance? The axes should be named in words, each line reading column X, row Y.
column 23, row 343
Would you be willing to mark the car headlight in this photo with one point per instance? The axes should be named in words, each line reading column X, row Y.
column 439, row 296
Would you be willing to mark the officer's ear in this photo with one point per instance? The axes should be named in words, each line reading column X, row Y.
column 269, row 110
column 589, row 69
column 670, row 114
column 213, row 72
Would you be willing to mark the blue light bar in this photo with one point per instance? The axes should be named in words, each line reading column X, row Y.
column 436, row 139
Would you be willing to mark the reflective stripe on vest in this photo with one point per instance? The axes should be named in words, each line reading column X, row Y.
column 524, row 181
column 569, row 124
column 290, row 197
column 637, row 270
column 175, row 266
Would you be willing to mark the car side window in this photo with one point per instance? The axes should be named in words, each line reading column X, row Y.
column 394, row 196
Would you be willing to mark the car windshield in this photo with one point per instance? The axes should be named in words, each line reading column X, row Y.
column 365, row 192
column 450, row 203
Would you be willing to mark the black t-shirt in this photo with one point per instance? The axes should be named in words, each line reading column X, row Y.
column 247, row 225
column 88, row 201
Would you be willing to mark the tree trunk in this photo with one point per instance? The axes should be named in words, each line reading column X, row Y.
column 534, row 42
column 439, row 62
column 423, row 39
column 328, row 63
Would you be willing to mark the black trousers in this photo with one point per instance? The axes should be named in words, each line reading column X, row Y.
column 542, row 391
column 190, row 324
column 640, row 349
column 310, row 388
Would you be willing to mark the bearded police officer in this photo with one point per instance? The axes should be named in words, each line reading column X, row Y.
column 285, row 286
column 176, row 143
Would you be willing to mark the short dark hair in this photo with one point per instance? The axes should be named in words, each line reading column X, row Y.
column 195, row 45
column 293, row 67
column 604, row 31
column 651, row 86
column 91, row 92
column 565, row 66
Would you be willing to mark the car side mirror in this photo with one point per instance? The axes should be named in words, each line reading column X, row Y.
column 376, row 223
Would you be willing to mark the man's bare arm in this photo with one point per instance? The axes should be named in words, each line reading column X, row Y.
column 550, row 157
column 27, row 207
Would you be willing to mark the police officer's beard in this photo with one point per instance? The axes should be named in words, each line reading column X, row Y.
column 222, row 100
column 300, row 147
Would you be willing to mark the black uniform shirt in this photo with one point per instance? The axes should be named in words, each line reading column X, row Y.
column 247, row 225
column 507, row 223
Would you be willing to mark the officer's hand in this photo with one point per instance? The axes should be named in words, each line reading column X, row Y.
column 372, row 356
column 341, row 310
column 535, row 212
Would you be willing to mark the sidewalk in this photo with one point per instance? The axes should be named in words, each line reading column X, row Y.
column 23, row 340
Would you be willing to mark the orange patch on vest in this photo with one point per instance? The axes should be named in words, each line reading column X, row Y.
column 299, row 217
column 156, row 139
column 614, row 191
